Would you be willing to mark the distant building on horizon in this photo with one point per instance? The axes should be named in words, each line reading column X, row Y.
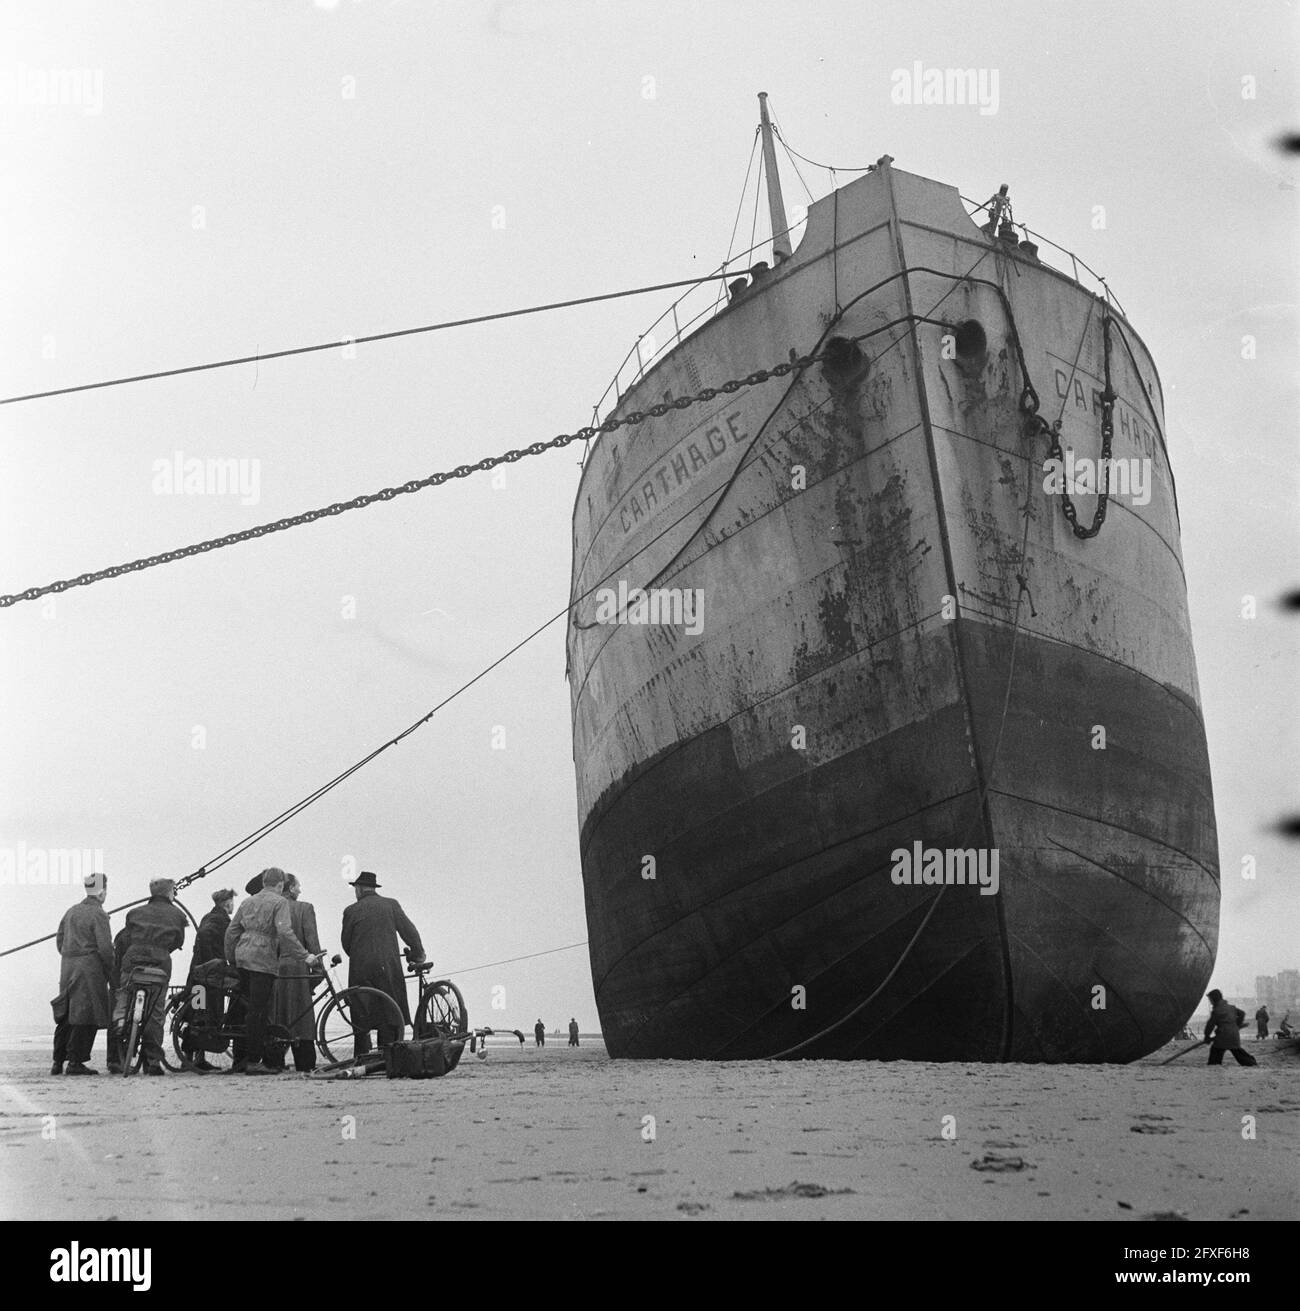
column 1279, row 992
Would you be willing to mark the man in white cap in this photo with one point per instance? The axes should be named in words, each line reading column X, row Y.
column 82, row 1006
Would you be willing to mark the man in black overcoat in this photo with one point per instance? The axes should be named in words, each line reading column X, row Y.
column 210, row 945
column 371, row 927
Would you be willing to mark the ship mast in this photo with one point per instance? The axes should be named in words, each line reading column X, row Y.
column 775, row 205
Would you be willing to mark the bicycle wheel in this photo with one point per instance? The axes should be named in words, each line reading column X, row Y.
column 443, row 1013
column 133, row 1048
column 200, row 1042
column 339, row 1032
column 173, row 1059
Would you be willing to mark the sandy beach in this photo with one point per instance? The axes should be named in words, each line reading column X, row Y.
column 568, row 1134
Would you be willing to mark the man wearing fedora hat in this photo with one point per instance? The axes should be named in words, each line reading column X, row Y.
column 371, row 927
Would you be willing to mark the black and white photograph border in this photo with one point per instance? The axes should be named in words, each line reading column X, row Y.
column 674, row 612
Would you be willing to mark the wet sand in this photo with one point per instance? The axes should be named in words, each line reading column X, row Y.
column 565, row 1134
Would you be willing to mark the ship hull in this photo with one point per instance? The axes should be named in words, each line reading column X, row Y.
column 902, row 649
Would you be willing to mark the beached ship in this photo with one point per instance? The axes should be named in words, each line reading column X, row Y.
column 901, row 765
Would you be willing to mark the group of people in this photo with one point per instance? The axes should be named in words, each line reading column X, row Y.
column 270, row 942
column 539, row 1033
column 1262, row 1017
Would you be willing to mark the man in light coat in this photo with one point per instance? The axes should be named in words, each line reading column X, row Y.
column 371, row 926
column 259, row 934
column 82, row 1006
column 291, row 1006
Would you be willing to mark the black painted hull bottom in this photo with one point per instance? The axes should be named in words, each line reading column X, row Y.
column 773, row 926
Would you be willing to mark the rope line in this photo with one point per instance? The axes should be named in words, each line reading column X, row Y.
column 830, row 168
column 264, row 830
column 532, row 955
column 261, row 356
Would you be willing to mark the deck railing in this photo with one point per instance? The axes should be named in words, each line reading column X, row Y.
column 695, row 306
column 1075, row 262
column 699, row 303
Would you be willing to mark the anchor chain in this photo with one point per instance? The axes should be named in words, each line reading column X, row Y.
column 1035, row 423
column 628, row 420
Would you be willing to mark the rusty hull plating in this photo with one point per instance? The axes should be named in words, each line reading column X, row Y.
column 879, row 665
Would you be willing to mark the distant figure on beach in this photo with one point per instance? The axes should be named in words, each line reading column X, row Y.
column 1284, row 1030
column 539, row 1034
column 210, row 945
column 573, row 1033
column 1261, row 1022
column 260, row 930
column 82, row 1006
column 1223, row 1024
column 155, row 929
column 291, row 1004
column 371, row 927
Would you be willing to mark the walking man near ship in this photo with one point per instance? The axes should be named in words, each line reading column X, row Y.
column 371, row 927
column 1223, row 1024
column 539, row 1034
column 573, row 1032
column 1261, row 1022
column 82, row 1006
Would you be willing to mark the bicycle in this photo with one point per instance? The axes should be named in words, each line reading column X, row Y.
column 440, row 1010
column 214, row 1034
column 144, row 984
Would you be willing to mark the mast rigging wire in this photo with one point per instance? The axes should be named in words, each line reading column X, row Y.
column 360, row 341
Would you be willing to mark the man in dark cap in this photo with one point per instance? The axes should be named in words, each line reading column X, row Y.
column 82, row 1005
column 209, row 945
column 1224, row 1023
column 156, row 930
column 371, row 927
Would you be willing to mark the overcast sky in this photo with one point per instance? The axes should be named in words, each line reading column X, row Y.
column 248, row 177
